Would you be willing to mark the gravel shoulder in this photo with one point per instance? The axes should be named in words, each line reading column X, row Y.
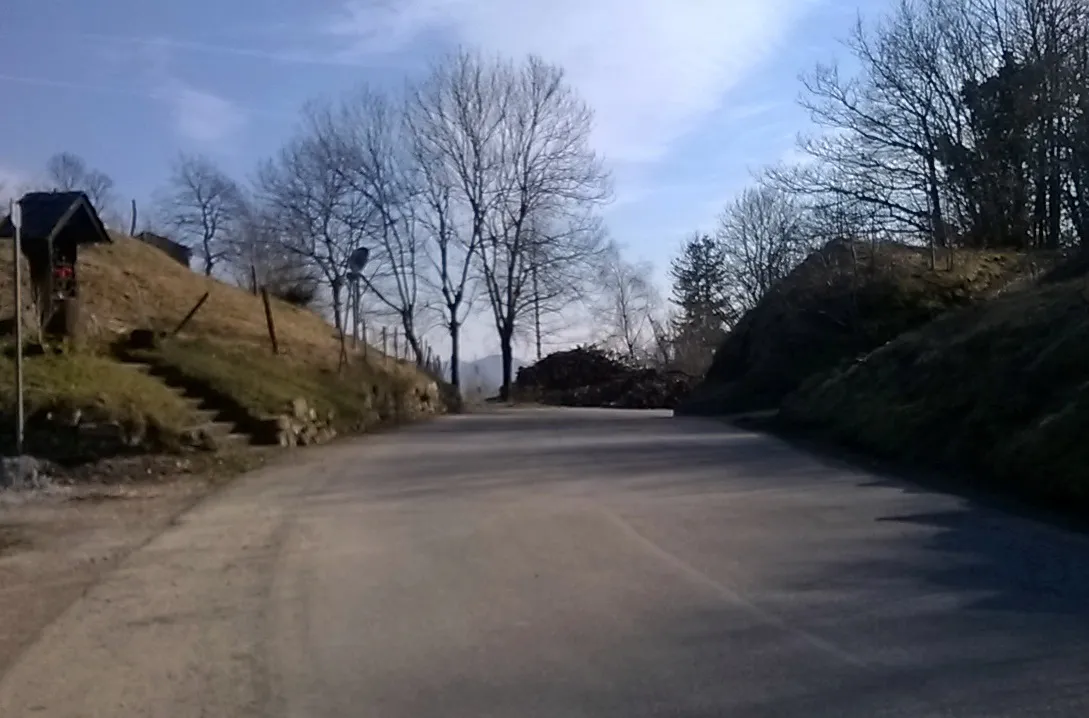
column 56, row 543
column 54, row 546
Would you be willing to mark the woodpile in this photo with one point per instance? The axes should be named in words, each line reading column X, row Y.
column 592, row 377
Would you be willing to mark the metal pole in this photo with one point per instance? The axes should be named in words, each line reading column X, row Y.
column 355, row 312
column 537, row 310
column 17, row 221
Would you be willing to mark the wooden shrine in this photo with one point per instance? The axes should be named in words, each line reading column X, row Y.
column 54, row 226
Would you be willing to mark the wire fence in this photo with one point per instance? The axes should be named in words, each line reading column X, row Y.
column 391, row 341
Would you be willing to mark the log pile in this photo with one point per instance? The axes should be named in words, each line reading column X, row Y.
column 591, row 377
column 568, row 370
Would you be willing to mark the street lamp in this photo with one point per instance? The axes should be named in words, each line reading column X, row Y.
column 356, row 261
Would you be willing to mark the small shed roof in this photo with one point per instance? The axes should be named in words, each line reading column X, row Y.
column 55, row 215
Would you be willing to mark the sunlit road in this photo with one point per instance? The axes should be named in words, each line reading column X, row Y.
column 574, row 563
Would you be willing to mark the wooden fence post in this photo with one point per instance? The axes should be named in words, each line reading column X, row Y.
column 268, row 320
column 191, row 314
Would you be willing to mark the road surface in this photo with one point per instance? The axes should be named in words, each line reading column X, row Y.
column 574, row 563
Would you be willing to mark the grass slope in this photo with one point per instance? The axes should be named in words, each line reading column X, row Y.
column 844, row 300
column 999, row 391
column 99, row 387
column 129, row 285
column 361, row 395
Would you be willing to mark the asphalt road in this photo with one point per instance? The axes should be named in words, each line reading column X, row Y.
column 574, row 563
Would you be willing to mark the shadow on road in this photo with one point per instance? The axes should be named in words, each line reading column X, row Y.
column 953, row 608
column 1018, row 567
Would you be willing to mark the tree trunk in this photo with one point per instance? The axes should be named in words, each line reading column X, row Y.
column 537, row 311
column 507, row 353
column 338, row 311
column 455, row 359
column 937, row 218
column 411, row 340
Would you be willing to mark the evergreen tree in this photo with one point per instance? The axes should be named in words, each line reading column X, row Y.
column 701, row 290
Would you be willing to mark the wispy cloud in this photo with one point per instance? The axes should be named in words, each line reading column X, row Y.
column 651, row 69
column 752, row 110
column 36, row 81
column 199, row 115
column 282, row 55
column 12, row 184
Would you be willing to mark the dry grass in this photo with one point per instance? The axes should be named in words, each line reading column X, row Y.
column 360, row 395
column 129, row 285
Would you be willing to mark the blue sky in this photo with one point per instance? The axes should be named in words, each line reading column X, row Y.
column 690, row 95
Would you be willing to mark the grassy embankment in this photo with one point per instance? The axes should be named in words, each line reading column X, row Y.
column 843, row 301
column 998, row 392
column 224, row 349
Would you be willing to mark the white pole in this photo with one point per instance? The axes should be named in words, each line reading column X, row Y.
column 17, row 221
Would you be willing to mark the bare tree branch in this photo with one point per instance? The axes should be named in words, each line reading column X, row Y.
column 203, row 206
column 69, row 172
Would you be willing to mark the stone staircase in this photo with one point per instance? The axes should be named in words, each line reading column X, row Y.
column 218, row 425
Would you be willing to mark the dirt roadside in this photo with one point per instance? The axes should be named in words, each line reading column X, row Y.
column 57, row 543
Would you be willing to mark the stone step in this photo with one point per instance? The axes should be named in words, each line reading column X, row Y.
column 219, row 432
column 213, row 427
column 138, row 366
column 203, row 408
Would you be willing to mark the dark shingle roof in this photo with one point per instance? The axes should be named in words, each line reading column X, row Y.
column 44, row 211
column 176, row 250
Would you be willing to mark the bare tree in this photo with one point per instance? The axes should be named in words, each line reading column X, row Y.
column 549, row 181
column 763, row 236
column 321, row 218
column 455, row 119
column 508, row 186
column 368, row 137
column 261, row 258
column 629, row 304
column 69, row 172
column 964, row 125
column 203, row 206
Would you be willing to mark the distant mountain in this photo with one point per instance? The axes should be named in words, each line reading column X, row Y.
column 485, row 375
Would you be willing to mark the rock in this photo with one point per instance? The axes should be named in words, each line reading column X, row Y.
column 208, row 441
column 300, row 409
column 105, row 432
column 22, row 473
column 134, row 431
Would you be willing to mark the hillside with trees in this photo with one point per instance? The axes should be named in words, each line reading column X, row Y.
column 943, row 205
column 473, row 189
